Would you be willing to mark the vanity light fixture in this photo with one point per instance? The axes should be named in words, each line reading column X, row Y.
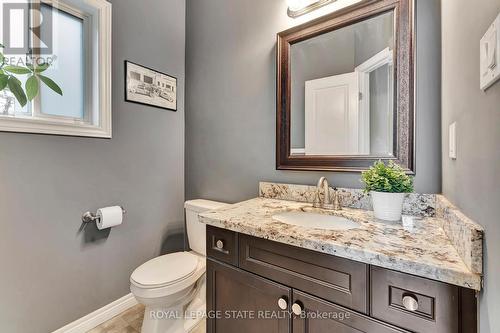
column 298, row 8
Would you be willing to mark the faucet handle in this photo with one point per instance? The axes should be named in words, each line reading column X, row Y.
column 337, row 205
column 317, row 199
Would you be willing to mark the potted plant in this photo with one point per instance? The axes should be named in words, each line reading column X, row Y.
column 387, row 186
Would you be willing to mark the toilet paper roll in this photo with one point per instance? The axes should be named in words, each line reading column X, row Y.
column 109, row 217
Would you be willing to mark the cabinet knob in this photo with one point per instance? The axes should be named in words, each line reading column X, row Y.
column 296, row 309
column 282, row 303
column 410, row 302
column 219, row 244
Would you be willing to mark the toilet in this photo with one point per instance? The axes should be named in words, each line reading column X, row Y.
column 172, row 287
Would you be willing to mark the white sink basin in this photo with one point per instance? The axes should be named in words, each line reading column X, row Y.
column 316, row 221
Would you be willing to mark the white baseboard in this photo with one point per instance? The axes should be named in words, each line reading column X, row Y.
column 99, row 316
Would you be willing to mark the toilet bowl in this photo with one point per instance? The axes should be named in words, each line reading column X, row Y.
column 172, row 287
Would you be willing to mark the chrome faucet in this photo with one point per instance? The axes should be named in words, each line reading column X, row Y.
column 326, row 202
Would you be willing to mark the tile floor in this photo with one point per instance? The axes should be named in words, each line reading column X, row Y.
column 129, row 321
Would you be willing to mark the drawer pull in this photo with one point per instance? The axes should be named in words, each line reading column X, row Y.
column 282, row 303
column 410, row 303
column 296, row 309
column 219, row 244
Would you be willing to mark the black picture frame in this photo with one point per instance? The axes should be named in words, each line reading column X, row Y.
column 162, row 87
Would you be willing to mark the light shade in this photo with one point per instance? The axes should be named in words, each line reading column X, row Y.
column 295, row 5
column 300, row 7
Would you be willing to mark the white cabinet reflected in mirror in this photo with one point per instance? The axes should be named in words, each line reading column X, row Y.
column 342, row 91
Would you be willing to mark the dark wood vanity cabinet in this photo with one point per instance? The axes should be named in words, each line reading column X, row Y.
column 237, row 301
column 256, row 286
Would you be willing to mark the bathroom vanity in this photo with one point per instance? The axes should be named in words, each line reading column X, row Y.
column 277, row 264
column 264, row 275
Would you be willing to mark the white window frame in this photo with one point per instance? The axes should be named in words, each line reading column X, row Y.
column 96, row 16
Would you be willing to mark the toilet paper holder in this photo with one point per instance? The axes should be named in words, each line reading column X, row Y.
column 89, row 217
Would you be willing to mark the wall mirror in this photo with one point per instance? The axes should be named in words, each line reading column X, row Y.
column 345, row 89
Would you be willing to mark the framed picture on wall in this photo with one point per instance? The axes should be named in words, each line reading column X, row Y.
column 147, row 86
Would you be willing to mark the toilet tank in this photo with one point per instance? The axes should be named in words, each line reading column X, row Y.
column 196, row 231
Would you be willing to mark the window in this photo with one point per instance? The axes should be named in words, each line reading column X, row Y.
column 79, row 35
column 135, row 76
column 70, row 68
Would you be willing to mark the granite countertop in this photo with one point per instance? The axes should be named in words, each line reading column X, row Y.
column 421, row 249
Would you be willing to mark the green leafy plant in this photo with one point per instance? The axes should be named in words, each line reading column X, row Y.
column 389, row 178
column 9, row 80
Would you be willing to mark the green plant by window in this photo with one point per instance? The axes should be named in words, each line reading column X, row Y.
column 8, row 80
column 389, row 178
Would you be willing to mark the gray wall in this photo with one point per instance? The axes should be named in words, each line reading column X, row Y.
column 473, row 181
column 372, row 36
column 51, row 274
column 230, row 110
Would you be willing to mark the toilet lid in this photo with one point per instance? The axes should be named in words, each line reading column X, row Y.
column 166, row 269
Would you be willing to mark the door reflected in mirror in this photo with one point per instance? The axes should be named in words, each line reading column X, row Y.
column 342, row 91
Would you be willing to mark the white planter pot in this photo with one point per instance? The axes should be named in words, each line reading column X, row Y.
column 387, row 206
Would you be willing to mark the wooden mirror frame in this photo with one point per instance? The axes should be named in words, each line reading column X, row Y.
column 403, row 78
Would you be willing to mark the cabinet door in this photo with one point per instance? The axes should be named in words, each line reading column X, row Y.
column 319, row 316
column 238, row 301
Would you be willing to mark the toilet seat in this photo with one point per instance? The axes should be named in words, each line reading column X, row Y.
column 150, row 283
column 165, row 270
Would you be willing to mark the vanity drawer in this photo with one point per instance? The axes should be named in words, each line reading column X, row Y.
column 222, row 245
column 414, row 303
column 338, row 280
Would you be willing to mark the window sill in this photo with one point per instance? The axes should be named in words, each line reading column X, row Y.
column 43, row 126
